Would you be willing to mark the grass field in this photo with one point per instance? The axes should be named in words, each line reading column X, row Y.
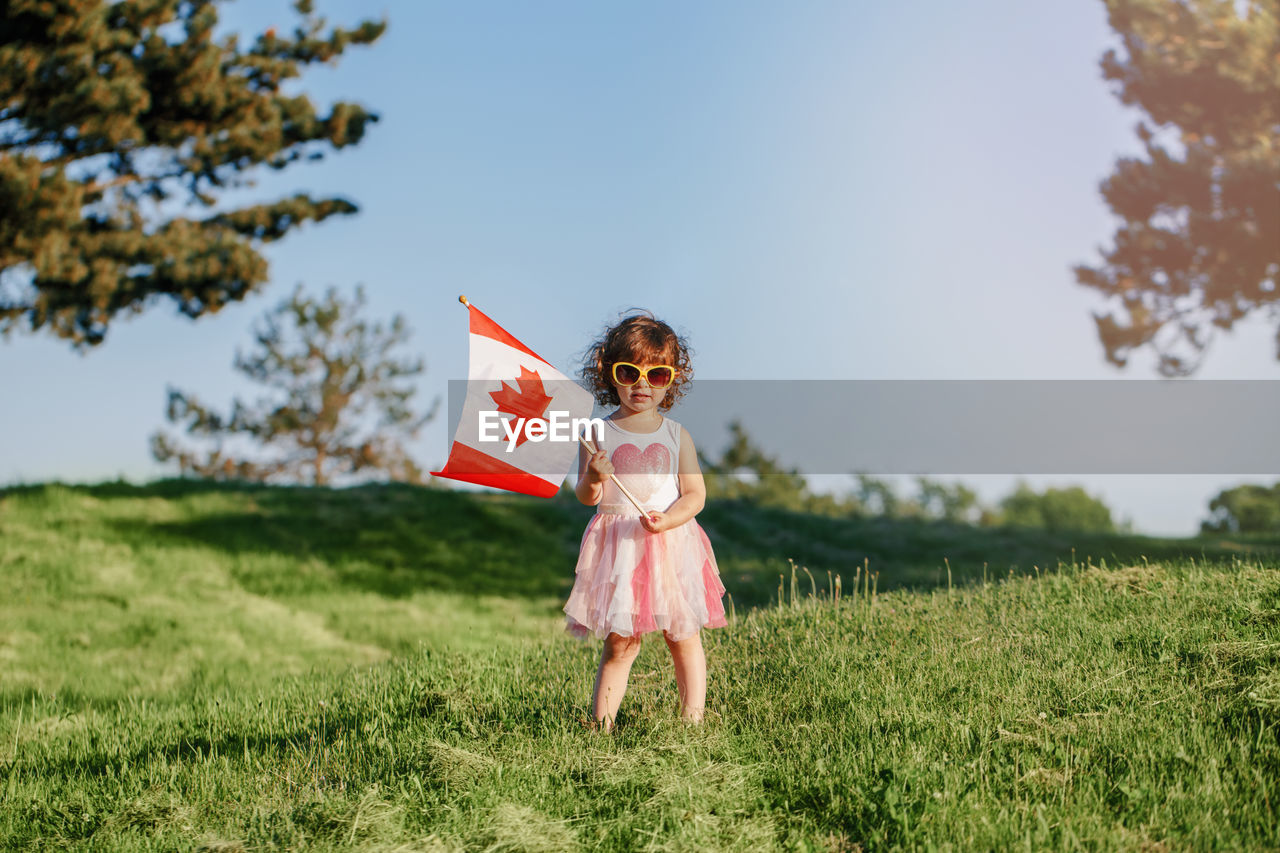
column 185, row 666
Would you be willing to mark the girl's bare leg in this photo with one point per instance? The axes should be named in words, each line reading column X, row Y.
column 611, row 679
column 691, row 675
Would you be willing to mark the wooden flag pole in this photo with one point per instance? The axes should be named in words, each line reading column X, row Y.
column 583, row 441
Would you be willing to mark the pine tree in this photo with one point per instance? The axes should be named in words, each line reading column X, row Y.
column 1198, row 247
column 331, row 373
column 117, row 119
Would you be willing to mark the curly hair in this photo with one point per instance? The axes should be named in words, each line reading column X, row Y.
column 640, row 339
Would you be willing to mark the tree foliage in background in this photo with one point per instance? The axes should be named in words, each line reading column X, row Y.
column 1198, row 247
column 956, row 503
column 329, row 372
column 122, row 126
column 879, row 497
column 1244, row 509
column 744, row 471
column 1056, row 509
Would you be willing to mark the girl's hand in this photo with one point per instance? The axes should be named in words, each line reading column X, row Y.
column 599, row 468
column 656, row 521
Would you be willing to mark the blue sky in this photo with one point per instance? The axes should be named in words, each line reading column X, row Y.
column 809, row 190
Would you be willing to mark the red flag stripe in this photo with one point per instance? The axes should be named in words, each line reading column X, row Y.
column 471, row 466
column 482, row 325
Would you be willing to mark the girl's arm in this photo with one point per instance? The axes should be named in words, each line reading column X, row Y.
column 590, row 477
column 693, row 490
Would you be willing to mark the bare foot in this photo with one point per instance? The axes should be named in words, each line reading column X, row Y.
column 605, row 725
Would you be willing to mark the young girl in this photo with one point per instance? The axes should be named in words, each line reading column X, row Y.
column 642, row 573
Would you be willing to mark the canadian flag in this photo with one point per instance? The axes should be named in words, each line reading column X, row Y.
column 516, row 429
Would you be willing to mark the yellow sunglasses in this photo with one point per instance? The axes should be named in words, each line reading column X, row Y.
column 627, row 374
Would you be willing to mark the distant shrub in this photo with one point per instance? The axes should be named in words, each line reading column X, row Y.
column 1246, row 508
column 1071, row 508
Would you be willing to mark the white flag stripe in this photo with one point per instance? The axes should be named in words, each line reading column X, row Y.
column 493, row 362
column 491, row 359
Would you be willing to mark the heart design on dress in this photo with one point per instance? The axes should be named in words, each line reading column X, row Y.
column 642, row 473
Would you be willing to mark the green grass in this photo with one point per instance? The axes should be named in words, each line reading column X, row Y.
column 185, row 665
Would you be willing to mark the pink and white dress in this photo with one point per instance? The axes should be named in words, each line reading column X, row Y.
column 630, row 581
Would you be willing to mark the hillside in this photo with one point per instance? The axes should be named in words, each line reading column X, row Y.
column 383, row 668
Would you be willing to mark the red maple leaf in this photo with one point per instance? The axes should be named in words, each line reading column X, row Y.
column 530, row 401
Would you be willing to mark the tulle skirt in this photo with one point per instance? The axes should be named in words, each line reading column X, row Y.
column 630, row 581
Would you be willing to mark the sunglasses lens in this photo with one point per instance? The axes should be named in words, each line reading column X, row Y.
column 626, row 374
column 660, row 377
